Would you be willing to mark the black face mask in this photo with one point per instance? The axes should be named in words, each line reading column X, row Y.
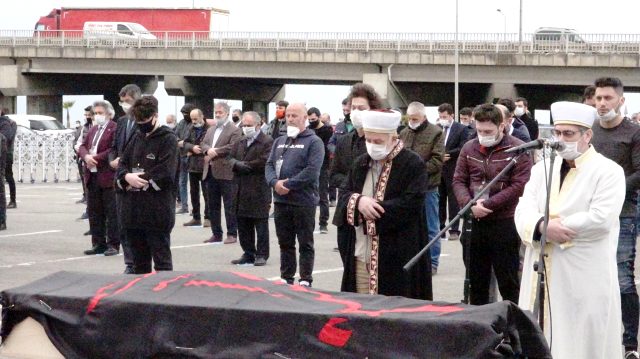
column 313, row 124
column 235, row 119
column 186, row 117
column 347, row 117
column 146, row 127
column 89, row 119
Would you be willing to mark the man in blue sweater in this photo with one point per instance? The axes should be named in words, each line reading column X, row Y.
column 293, row 171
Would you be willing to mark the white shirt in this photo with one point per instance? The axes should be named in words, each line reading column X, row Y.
column 217, row 133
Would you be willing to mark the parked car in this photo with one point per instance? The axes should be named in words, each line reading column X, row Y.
column 39, row 124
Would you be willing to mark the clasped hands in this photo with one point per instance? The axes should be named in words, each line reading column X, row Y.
column 370, row 208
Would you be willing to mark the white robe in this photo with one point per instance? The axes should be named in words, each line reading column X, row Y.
column 582, row 276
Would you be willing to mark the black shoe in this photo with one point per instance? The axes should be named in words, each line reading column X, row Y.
column 81, row 201
column 111, row 252
column 260, row 261
column 192, row 223
column 87, row 233
column 95, row 250
column 214, row 239
column 128, row 270
column 84, row 216
column 332, row 203
column 3, row 226
column 12, row 204
column 242, row 260
column 324, row 230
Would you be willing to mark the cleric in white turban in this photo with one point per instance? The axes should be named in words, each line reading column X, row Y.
column 587, row 192
column 383, row 198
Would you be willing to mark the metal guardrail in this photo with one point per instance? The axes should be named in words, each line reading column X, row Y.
column 330, row 41
column 40, row 154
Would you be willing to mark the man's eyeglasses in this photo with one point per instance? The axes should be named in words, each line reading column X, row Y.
column 565, row 133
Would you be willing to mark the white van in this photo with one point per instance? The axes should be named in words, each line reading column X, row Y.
column 119, row 30
column 39, row 124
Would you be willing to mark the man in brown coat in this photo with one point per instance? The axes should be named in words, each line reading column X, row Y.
column 218, row 173
column 252, row 197
column 426, row 140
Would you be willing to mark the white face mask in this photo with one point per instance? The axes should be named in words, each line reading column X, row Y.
column 414, row 125
column 519, row 111
column 100, row 119
column 198, row 124
column 570, row 151
column 444, row 123
column 377, row 151
column 125, row 106
column 356, row 121
column 609, row 116
column 488, row 141
column 171, row 125
column 292, row 131
column 249, row 131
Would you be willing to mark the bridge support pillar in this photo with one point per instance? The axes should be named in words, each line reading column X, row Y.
column 8, row 103
column 48, row 105
column 390, row 95
column 501, row 90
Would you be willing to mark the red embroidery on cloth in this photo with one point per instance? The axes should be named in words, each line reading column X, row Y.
column 381, row 187
column 351, row 208
column 101, row 292
column 332, row 335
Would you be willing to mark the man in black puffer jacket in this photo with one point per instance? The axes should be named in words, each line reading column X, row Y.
column 146, row 173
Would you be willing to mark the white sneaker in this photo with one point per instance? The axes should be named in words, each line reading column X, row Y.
column 304, row 283
column 632, row 354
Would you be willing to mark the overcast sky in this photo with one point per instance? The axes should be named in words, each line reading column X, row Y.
column 585, row 16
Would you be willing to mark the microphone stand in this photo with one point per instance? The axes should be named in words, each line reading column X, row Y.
column 539, row 266
column 407, row 267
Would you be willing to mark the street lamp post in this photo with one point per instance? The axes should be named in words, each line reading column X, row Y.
column 504, row 20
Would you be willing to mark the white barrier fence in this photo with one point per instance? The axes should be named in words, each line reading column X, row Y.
column 44, row 158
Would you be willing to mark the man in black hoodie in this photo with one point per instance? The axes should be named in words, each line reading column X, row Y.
column 146, row 174
column 182, row 131
column 325, row 133
column 293, row 170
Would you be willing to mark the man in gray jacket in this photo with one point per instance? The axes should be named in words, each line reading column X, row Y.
column 293, row 171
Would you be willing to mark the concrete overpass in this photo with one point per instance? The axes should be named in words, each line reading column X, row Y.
column 253, row 67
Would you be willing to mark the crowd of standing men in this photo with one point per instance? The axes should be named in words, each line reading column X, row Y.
column 399, row 184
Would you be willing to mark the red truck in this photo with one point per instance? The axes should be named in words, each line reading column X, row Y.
column 153, row 19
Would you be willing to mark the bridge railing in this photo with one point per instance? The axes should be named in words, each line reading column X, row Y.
column 332, row 41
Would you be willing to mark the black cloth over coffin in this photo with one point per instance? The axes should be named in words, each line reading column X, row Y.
column 237, row 315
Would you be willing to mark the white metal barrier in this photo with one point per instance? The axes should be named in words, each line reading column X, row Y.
column 42, row 156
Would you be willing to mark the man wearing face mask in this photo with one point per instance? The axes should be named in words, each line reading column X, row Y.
column 193, row 145
column 293, row 171
column 348, row 148
column 522, row 113
column 182, row 132
column 145, row 176
column 494, row 241
column 587, row 193
column 325, row 133
column 513, row 126
column 383, row 200
column 235, row 117
column 125, row 131
column 170, row 121
column 426, row 140
column 341, row 129
column 455, row 136
column 466, row 119
column 88, row 117
column 618, row 139
column 278, row 126
column 252, row 197
column 98, row 177
column 218, row 173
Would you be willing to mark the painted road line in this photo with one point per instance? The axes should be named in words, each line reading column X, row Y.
column 30, row 233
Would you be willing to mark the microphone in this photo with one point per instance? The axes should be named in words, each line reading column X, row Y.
column 538, row 144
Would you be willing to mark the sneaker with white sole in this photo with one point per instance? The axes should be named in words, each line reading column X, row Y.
column 304, row 283
column 631, row 354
